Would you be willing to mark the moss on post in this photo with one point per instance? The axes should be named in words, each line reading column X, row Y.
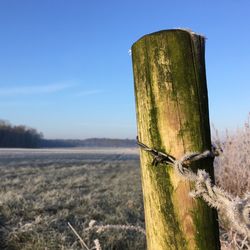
column 172, row 116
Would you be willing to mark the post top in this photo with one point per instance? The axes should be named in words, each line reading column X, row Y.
column 185, row 30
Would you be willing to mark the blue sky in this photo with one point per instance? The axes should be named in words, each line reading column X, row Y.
column 65, row 67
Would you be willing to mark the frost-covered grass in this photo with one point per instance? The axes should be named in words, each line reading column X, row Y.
column 38, row 198
column 232, row 168
column 232, row 173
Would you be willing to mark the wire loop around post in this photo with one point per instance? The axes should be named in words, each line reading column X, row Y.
column 235, row 209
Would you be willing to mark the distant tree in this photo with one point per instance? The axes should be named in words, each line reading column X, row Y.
column 18, row 136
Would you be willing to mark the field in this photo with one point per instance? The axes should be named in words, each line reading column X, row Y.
column 42, row 190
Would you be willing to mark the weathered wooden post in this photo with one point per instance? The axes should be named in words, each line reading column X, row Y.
column 172, row 116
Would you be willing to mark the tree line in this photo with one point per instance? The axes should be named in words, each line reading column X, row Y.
column 12, row 136
column 18, row 136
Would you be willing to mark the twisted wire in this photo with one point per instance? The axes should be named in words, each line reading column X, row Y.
column 236, row 209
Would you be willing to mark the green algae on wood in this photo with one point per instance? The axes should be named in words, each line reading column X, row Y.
column 172, row 116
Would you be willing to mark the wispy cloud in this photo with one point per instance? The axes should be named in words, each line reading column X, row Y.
column 35, row 89
column 89, row 92
column 18, row 104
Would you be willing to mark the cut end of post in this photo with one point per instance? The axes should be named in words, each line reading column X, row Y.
column 190, row 32
column 187, row 30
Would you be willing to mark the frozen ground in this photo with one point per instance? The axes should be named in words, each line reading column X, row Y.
column 41, row 157
column 41, row 190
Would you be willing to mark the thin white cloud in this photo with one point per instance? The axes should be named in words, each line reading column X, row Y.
column 89, row 92
column 35, row 89
column 23, row 104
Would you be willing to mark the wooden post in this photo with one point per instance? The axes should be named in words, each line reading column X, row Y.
column 172, row 116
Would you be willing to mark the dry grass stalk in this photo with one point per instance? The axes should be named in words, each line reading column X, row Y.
column 79, row 237
column 101, row 228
